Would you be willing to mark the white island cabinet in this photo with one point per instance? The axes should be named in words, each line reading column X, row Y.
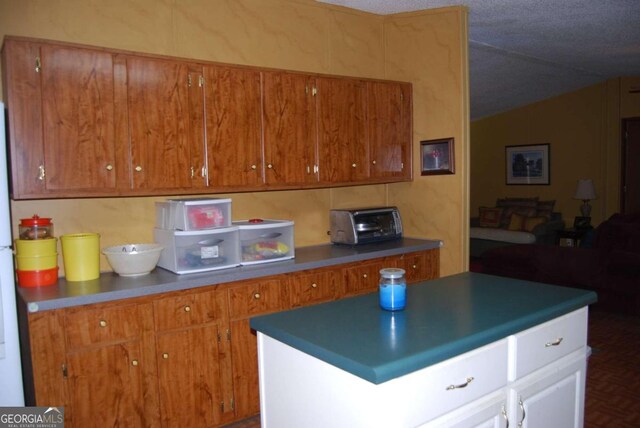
column 375, row 373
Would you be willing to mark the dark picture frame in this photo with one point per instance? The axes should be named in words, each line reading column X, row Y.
column 528, row 164
column 437, row 157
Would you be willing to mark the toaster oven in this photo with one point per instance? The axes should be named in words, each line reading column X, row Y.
column 364, row 225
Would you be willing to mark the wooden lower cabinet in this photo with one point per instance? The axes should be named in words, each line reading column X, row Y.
column 186, row 358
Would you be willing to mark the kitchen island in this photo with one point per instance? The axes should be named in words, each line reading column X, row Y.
column 468, row 349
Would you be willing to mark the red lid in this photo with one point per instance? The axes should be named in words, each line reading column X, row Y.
column 256, row 220
column 35, row 221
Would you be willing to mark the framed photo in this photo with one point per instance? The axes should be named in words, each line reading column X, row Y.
column 528, row 164
column 437, row 157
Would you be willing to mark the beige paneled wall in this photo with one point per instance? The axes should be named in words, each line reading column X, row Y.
column 583, row 128
column 289, row 34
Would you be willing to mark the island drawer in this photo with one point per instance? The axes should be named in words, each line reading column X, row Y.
column 88, row 327
column 538, row 346
column 189, row 309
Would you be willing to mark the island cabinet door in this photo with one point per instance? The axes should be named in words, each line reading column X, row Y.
column 308, row 288
column 248, row 299
column 109, row 371
column 360, row 278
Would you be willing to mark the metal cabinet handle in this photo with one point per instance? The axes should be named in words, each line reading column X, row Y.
column 103, row 323
column 314, row 285
column 134, row 362
column 364, row 275
column 414, row 266
column 193, row 172
column 554, row 343
column 353, row 165
column 256, row 296
column 187, row 308
column 165, row 356
column 373, row 162
column 504, row 415
column 269, row 166
column 138, row 168
column 462, row 385
column 253, row 167
column 41, row 173
column 109, row 167
column 524, row 415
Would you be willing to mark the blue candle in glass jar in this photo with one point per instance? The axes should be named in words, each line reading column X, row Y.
column 393, row 289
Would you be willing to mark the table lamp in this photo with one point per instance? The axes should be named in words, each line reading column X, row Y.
column 585, row 192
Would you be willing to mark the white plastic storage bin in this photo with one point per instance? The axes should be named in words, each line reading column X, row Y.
column 263, row 241
column 198, row 251
column 193, row 214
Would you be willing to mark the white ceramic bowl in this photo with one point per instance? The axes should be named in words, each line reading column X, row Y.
column 133, row 259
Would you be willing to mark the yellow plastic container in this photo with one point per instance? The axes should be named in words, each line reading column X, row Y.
column 37, row 247
column 37, row 262
column 81, row 256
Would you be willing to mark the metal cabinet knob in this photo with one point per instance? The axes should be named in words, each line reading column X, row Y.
column 353, row 165
column 253, row 167
column 269, row 166
column 165, row 356
column 414, row 266
column 103, row 323
column 373, row 162
column 314, row 285
column 256, row 296
column 187, row 308
column 138, row 168
column 364, row 275
column 134, row 362
column 109, row 167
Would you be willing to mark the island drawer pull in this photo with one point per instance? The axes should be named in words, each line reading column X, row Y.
column 462, row 385
column 554, row 343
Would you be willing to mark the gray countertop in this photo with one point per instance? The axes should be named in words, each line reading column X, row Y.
column 111, row 286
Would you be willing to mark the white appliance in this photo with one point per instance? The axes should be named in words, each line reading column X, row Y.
column 11, row 390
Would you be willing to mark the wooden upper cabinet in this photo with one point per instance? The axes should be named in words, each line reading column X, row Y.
column 342, row 130
column 233, row 116
column 389, row 119
column 158, row 104
column 61, row 121
column 290, row 129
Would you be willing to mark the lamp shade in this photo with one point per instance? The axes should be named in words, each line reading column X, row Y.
column 585, row 190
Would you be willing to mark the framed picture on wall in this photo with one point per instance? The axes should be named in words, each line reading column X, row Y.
column 437, row 157
column 528, row 164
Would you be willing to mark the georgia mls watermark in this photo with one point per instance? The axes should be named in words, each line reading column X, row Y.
column 31, row 417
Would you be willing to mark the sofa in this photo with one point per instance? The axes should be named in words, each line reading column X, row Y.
column 514, row 221
column 610, row 267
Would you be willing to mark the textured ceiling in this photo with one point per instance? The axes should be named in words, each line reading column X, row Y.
column 522, row 51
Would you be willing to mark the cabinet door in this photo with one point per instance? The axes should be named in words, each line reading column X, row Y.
column 421, row 266
column 289, row 129
column 314, row 287
column 342, row 130
column 389, row 138
column 158, row 103
column 362, row 277
column 105, row 384
column 192, row 371
column 234, row 126
column 554, row 400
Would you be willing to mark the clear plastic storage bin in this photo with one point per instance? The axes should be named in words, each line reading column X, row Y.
column 198, row 251
column 193, row 214
column 263, row 241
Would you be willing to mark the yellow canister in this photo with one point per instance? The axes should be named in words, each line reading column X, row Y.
column 37, row 262
column 37, row 247
column 81, row 256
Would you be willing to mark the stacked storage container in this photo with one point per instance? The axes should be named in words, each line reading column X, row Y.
column 197, row 235
column 263, row 241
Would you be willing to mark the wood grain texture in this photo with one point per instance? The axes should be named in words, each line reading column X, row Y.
column 290, row 131
column 78, row 118
column 234, row 126
column 159, row 123
column 48, row 355
column 342, row 130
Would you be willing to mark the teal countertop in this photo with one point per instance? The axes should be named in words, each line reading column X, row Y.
column 443, row 318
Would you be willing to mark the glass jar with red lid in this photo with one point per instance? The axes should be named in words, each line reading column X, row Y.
column 35, row 227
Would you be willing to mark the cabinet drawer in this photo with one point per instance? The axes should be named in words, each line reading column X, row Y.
column 483, row 371
column 92, row 326
column 258, row 297
column 362, row 277
column 311, row 288
column 420, row 266
column 543, row 344
column 189, row 309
